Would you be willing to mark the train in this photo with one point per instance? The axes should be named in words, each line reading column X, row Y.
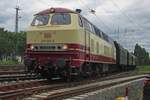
column 62, row 43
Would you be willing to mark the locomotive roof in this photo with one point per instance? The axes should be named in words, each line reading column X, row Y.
column 65, row 10
column 56, row 10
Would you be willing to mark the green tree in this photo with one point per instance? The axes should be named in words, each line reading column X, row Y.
column 11, row 43
column 141, row 54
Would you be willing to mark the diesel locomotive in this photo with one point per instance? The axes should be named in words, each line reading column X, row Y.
column 63, row 43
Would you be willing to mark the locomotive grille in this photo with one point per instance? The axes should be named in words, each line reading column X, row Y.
column 48, row 47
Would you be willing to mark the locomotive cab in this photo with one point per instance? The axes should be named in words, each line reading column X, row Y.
column 53, row 41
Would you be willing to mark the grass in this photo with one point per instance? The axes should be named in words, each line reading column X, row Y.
column 144, row 69
column 8, row 62
column 6, row 65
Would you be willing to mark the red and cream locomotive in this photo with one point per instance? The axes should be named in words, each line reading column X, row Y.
column 61, row 42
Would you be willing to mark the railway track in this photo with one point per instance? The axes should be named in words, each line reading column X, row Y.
column 17, row 77
column 74, row 91
column 12, row 72
column 12, row 69
column 26, row 89
column 18, row 67
column 16, row 73
column 14, row 91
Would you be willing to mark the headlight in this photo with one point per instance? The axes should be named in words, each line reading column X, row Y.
column 31, row 47
column 65, row 47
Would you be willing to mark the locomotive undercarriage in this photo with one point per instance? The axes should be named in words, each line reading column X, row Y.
column 98, row 69
column 64, row 71
column 50, row 70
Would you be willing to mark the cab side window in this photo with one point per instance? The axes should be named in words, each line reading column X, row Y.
column 85, row 23
column 80, row 21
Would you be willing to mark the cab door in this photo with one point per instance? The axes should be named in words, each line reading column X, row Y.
column 87, row 39
column 87, row 45
column 83, row 23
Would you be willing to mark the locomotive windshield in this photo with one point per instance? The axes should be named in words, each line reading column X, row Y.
column 61, row 19
column 40, row 20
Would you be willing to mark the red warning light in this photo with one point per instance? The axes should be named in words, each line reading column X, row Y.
column 52, row 10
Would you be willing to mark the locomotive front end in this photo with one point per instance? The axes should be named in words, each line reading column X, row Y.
column 52, row 43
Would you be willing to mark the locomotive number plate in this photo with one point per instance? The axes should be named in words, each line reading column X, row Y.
column 47, row 35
